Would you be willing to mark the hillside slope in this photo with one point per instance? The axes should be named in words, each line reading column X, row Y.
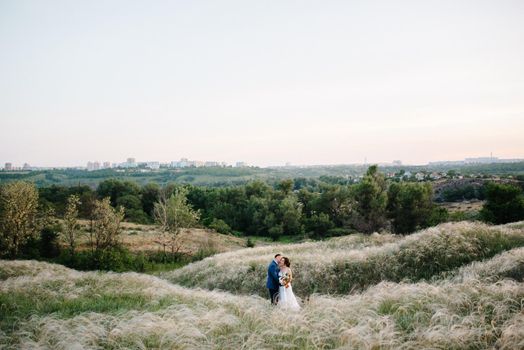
column 48, row 306
column 355, row 262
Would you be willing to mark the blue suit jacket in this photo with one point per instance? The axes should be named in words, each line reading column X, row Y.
column 272, row 276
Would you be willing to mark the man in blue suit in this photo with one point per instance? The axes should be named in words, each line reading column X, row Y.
column 272, row 283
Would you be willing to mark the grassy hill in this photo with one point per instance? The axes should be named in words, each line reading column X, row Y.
column 353, row 263
column 49, row 306
column 455, row 286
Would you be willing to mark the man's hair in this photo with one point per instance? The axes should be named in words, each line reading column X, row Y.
column 277, row 255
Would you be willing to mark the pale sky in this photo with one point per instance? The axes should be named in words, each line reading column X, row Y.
column 265, row 82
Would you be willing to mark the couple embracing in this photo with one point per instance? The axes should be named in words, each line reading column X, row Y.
column 279, row 279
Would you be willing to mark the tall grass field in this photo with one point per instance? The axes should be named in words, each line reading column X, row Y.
column 455, row 286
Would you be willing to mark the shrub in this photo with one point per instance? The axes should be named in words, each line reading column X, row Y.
column 504, row 203
column 220, row 226
column 19, row 223
column 49, row 247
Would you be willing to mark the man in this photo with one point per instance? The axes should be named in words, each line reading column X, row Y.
column 272, row 283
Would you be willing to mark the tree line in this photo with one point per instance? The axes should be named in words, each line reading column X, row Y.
column 320, row 207
column 317, row 208
column 29, row 229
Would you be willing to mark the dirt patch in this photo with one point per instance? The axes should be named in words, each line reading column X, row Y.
column 138, row 237
column 465, row 206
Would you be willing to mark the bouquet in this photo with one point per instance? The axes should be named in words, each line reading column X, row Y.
column 285, row 280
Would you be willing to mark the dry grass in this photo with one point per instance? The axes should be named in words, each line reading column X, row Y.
column 473, row 300
column 353, row 263
column 53, row 307
column 138, row 238
column 473, row 205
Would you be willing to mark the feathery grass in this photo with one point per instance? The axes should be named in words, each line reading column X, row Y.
column 451, row 313
column 354, row 263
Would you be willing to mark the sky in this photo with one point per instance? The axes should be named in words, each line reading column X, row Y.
column 264, row 82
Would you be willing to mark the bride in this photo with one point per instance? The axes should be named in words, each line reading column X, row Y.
column 286, row 298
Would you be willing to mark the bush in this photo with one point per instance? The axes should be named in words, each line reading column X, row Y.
column 504, row 203
column 319, row 224
column 137, row 216
column 116, row 259
column 438, row 216
column 49, row 247
column 220, row 226
column 339, row 231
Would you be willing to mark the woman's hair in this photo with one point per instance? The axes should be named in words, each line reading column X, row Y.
column 286, row 261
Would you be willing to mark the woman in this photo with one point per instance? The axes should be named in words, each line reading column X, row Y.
column 286, row 298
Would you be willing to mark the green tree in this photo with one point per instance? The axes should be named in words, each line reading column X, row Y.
column 370, row 200
column 115, row 189
column 18, row 216
column 220, row 226
column 106, row 226
column 410, row 206
column 230, row 205
column 150, row 195
column 172, row 214
column 258, row 189
column 504, row 203
column 70, row 231
column 290, row 214
column 133, row 208
column 260, row 216
column 286, row 186
column 319, row 224
column 334, row 200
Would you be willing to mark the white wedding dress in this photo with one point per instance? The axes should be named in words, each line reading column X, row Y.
column 286, row 298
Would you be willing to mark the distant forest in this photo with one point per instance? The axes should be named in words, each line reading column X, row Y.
column 223, row 177
column 328, row 205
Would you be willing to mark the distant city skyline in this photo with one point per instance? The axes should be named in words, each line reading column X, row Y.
column 155, row 164
column 266, row 83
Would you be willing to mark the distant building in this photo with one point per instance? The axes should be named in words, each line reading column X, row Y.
column 8, row 167
column 241, row 165
column 450, row 162
column 435, row 176
column 153, row 165
column 397, row 162
column 27, row 167
column 419, row 176
column 106, row 165
column 90, row 166
column 130, row 163
column 184, row 163
column 482, row 160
